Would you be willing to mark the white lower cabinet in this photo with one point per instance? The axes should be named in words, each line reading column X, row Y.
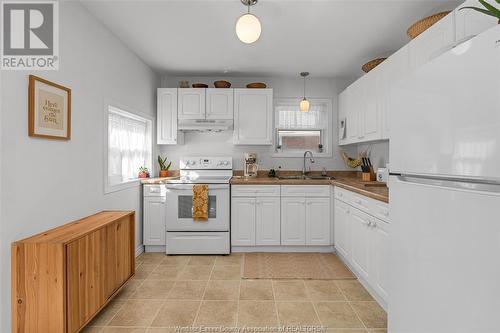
column 243, row 221
column 293, row 221
column 318, row 221
column 362, row 239
column 154, row 221
column 267, row 221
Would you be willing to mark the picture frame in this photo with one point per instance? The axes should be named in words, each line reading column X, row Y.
column 49, row 109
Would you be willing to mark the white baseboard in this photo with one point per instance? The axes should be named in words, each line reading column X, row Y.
column 139, row 250
column 279, row 248
column 155, row 248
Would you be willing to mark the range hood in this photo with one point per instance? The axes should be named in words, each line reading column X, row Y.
column 205, row 125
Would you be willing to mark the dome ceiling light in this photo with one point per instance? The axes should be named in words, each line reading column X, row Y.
column 248, row 26
column 304, row 103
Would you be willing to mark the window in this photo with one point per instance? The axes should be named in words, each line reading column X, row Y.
column 298, row 131
column 129, row 147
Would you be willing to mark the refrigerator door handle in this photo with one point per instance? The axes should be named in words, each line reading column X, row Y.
column 488, row 186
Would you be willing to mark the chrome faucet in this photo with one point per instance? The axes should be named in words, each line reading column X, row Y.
column 311, row 159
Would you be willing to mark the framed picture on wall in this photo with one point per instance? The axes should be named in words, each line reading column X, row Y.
column 49, row 109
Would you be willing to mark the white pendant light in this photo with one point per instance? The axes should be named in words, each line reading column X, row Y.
column 248, row 28
column 304, row 103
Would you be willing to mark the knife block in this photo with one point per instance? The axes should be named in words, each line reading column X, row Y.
column 368, row 176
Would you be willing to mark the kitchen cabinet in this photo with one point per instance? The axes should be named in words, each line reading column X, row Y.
column 362, row 239
column 154, row 221
column 253, row 117
column 166, row 116
column 219, row 103
column 191, row 103
column 267, row 221
column 469, row 23
column 370, row 121
column 243, row 221
column 293, row 221
column 318, row 221
column 342, row 234
column 433, row 42
column 255, row 215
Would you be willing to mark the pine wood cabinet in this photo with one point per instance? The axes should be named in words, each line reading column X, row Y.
column 63, row 277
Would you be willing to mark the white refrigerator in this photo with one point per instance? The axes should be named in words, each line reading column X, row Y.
column 445, row 193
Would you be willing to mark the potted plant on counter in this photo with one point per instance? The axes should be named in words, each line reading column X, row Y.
column 164, row 167
column 143, row 172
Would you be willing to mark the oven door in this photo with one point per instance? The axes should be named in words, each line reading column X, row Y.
column 180, row 208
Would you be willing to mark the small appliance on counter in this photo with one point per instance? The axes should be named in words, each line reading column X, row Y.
column 251, row 166
column 382, row 175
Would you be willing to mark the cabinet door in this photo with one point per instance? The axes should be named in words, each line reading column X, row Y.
column 268, row 219
column 343, row 105
column 253, row 116
column 354, row 104
column 369, row 112
column 318, row 221
column 470, row 23
column 166, row 116
column 379, row 261
column 191, row 103
column 243, row 221
column 219, row 103
column 360, row 242
column 293, row 221
column 432, row 42
column 342, row 231
column 154, row 221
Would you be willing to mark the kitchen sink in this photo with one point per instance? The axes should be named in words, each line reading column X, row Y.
column 300, row 177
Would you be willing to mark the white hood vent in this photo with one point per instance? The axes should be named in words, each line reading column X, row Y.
column 205, row 125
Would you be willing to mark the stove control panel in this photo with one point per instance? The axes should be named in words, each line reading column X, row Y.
column 206, row 163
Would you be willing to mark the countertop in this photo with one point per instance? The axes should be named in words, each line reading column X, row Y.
column 348, row 180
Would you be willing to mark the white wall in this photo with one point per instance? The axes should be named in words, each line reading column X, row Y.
column 221, row 143
column 377, row 151
column 47, row 183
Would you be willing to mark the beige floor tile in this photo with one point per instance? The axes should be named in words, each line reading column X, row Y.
column 257, row 314
column 123, row 330
column 196, row 272
column 107, row 313
column 153, row 289
column 353, row 290
column 162, row 330
column 337, row 315
column 346, row 330
column 232, row 259
column 89, row 329
column 201, row 260
column 136, row 313
column 176, row 313
column 129, row 289
column 216, row 313
column 151, row 258
column 165, row 272
column 290, row 290
column 382, row 330
column 297, row 313
column 175, row 260
column 256, row 290
column 192, row 290
column 372, row 315
column 324, row 290
column 226, row 273
column 143, row 271
column 222, row 290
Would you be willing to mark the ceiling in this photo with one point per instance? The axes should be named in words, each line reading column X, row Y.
column 327, row 38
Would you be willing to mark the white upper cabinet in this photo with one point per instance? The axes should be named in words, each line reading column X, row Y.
column 253, row 116
column 219, row 103
column 166, row 116
column 191, row 103
column 370, row 122
column 470, row 23
column 433, row 42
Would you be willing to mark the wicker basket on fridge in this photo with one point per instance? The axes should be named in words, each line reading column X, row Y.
column 420, row 26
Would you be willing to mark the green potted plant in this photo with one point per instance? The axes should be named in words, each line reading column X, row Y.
column 488, row 9
column 164, row 167
column 143, row 172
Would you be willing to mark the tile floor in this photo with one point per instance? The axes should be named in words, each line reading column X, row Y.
column 197, row 291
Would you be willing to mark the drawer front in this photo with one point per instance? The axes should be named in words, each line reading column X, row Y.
column 198, row 242
column 255, row 190
column 154, row 190
column 305, row 190
column 360, row 202
column 380, row 210
column 342, row 195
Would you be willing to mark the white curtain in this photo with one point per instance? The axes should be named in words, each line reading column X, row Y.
column 128, row 146
column 289, row 117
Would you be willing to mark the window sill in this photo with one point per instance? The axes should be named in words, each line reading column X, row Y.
column 122, row 186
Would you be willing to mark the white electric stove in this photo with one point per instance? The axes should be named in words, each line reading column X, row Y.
column 184, row 234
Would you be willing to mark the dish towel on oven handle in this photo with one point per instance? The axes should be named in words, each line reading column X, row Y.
column 200, row 202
